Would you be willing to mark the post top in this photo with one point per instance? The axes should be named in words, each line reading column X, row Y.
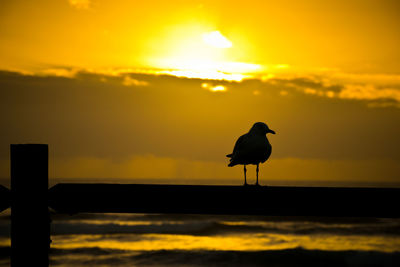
column 28, row 144
column 24, row 148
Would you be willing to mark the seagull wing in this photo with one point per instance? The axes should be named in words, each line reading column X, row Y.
column 237, row 146
column 267, row 154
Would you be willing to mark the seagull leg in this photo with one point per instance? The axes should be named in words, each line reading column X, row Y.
column 257, row 174
column 245, row 170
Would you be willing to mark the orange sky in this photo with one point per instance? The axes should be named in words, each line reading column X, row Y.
column 347, row 35
column 156, row 89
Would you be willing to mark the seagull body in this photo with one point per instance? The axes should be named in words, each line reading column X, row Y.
column 252, row 148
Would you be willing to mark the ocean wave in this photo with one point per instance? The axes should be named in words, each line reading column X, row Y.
column 213, row 225
column 94, row 251
column 211, row 228
column 95, row 256
column 289, row 257
column 201, row 217
column 282, row 258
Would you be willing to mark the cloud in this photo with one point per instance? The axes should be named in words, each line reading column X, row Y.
column 128, row 81
column 80, row 4
column 97, row 126
column 386, row 91
column 369, row 92
column 92, row 114
column 378, row 79
column 206, row 75
column 59, row 72
column 378, row 90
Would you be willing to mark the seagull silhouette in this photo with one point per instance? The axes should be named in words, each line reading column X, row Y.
column 252, row 148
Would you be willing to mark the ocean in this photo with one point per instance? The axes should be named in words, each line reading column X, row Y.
column 215, row 240
column 177, row 240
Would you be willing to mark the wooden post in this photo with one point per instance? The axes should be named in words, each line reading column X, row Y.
column 4, row 198
column 30, row 221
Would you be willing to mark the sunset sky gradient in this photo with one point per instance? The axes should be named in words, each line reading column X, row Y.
column 162, row 89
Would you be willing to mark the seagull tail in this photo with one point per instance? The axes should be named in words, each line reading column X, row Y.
column 231, row 160
column 231, row 164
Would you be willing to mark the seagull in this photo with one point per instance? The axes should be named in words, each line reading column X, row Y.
column 252, row 148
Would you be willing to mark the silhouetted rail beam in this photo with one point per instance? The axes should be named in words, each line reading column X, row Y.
column 246, row 200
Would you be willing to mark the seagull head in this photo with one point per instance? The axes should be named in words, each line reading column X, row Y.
column 261, row 128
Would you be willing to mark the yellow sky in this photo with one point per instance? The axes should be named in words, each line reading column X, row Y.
column 350, row 35
column 162, row 89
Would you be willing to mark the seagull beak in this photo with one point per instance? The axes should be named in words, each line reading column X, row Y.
column 271, row 131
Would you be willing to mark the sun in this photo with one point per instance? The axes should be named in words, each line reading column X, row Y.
column 216, row 39
column 195, row 52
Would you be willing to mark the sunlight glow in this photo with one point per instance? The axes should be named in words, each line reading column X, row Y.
column 193, row 51
column 205, row 75
column 216, row 39
column 80, row 4
column 282, row 66
column 212, row 88
column 239, row 242
column 208, row 66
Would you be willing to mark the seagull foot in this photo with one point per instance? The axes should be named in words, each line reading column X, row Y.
column 257, row 184
column 245, row 184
